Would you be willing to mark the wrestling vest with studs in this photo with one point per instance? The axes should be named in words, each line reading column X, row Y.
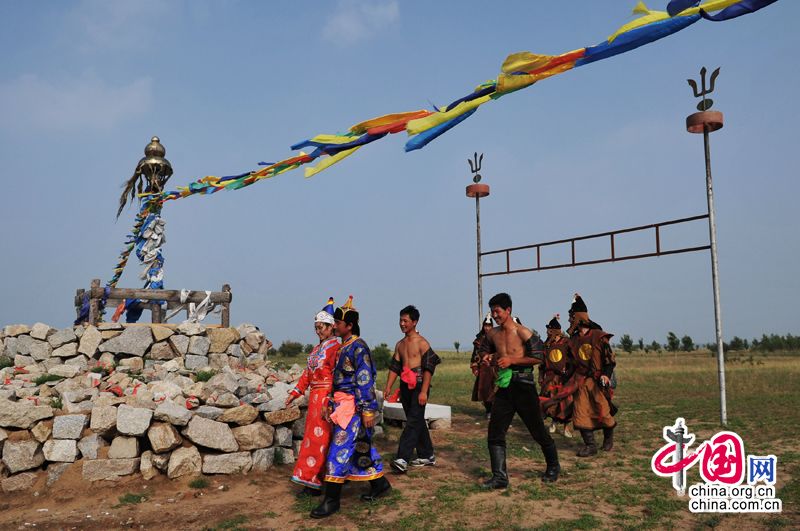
column 586, row 352
column 555, row 358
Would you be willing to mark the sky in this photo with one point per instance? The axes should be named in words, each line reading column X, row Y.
column 84, row 85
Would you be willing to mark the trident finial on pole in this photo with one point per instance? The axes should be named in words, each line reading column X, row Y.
column 475, row 166
column 706, row 103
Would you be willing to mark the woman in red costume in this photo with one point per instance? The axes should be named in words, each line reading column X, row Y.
column 319, row 377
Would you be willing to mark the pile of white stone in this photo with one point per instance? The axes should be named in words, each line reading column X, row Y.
column 118, row 400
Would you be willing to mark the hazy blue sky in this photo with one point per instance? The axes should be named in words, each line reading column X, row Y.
column 83, row 86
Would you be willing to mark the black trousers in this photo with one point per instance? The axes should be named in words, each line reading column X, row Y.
column 522, row 399
column 415, row 435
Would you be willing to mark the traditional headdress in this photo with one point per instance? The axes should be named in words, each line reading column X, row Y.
column 326, row 314
column 517, row 320
column 348, row 314
column 580, row 314
column 554, row 324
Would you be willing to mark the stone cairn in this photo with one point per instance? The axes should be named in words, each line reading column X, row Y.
column 150, row 399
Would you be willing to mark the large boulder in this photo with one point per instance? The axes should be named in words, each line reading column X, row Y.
column 109, row 469
column 282, row 416
column 65, row 371
column 61, row 337
column 179, row 343
column 263, row 458
column 40, row 350
column 194, row 363
column 22, row 455
column 133, row 420
column 173, row 413
column 184, row 462
column 162, row 351
column 63, row 451
column 211, row 434
column 160, row 333
column 163, row 437
column 283, row 436
column 221, row 339
column 234, row 463
column 67, row 350
column 146, row 467
column 199, row 345
column 104, row 419
column 191, row 329
column 133, row 341
column 16, row 330
column 22, row 414
column 41, row 331
column 69, row 426
column 124, row 448
column 254, row 436
column 90, row 445
column 19, row 482
column 240, row 415
column 90, row 341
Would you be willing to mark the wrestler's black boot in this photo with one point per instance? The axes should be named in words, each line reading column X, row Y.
column 553, row 468
column 499, row 479
column 378, row 488
column 608, row 439
column 330, row 503
column 590, row 448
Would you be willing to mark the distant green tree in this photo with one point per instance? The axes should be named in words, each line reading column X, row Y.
column 381, row 356
column 457, row 345
column 673, row 343
column 308, row 348
column 290, row 348
column 655, row 346
column 737, row 343
column 641, row 344
column 626, row 343
column 687, row 344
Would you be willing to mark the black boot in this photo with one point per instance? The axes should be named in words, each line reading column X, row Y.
column 608, row 439
column 499, row 479
column 378, row 488
column 307, row 492
column 330, row 503
column 553, row 468
column 590, row 448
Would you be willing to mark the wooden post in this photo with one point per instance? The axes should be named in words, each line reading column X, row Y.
column 226, row 308
column 79, row 302
column 94, row 304
column 155, row 312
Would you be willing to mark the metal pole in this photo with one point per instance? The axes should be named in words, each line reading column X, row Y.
column 712, row 231
column 478, row 239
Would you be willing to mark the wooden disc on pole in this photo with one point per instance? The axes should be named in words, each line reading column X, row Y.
column 704, row 121
column 477, row 190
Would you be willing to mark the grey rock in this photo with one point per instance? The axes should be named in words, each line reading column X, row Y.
column 299, row 427
column 161, row 461
column 162, row 351
column 234, row 463
column 90, row 341
column 224, row 400
column 23, row 361
column 222, row 383
column 133, row 420
column 254, row 436
column 296, row 445
column 208, row 412
column 61, row 337
column 24, row 344
column 163, row 437
column 240, row 415
column 124, row 448
column 217, row 361
column 22, row 414
column 19, row 482
column 41, row 331
column 179, row 343
column 81, row 407
column 104, row 419
column 283, row 416
column 10, row 344
column 40, row 350
column 191, row 329
column 66, row 371
column 211, row 434
column 16, row 330
column 184, row 462
column 160, row 333
column 146, row 467
column 22, row 455
column 263, row 459
column 69, row 426
column 109, row 469
column 284, row 455
column 133, row 341
column 64, row 451
column 193, row 362
column 234, row 350
column 199, row 345
column 67, row 350
column 173, row 413
column 55, row 471
column 283, row 437
column 80, row 361
column 111, row 326
column 90, row 445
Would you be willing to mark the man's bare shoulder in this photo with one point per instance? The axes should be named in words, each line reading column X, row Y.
column 422, row 344
column 524, row 332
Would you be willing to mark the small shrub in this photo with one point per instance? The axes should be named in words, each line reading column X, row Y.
column 204, row 376
column 198, row 483
column 132, row 499
column 56, row 403
column 5, row 361
column 290, row 349
column 44, row 378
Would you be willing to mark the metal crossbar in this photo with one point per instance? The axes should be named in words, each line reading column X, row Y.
column 614, row 257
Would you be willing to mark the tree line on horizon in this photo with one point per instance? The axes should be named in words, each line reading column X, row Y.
column 767, row 343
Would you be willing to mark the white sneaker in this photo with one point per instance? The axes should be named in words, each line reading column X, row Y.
column 400, row 465
column 553, row 427
column 424, row 462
